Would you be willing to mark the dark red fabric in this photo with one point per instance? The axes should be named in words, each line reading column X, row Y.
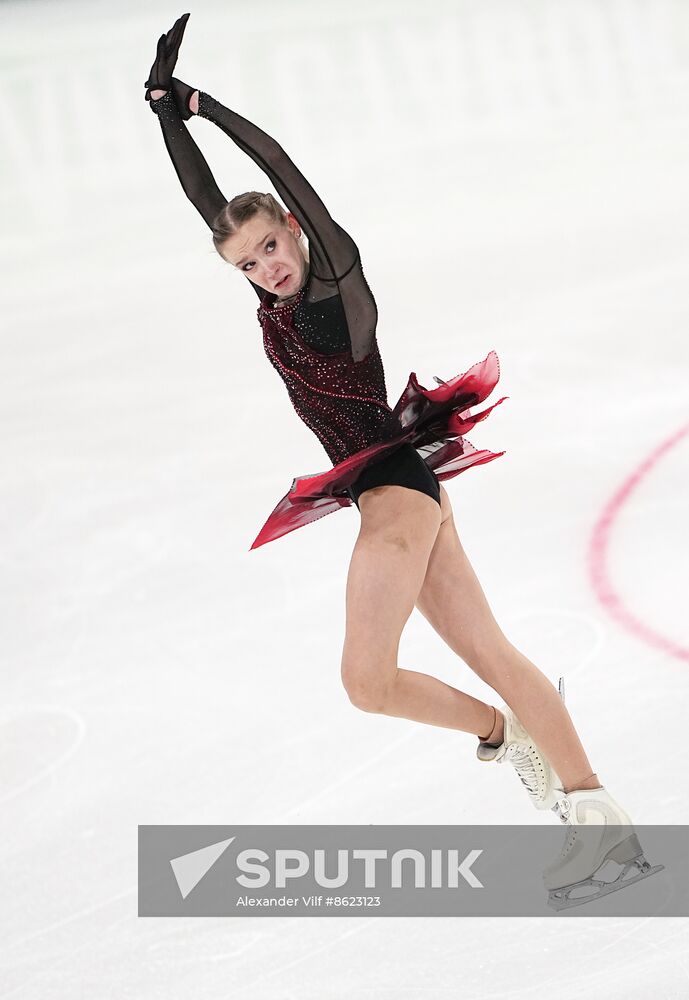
column 432, row 420
column 342, row 401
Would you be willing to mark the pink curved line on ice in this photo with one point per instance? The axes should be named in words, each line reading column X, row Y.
column 598, row 550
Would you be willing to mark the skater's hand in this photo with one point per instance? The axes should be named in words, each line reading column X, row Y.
column 160, row 77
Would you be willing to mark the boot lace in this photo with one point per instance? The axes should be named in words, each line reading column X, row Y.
column 524, row 766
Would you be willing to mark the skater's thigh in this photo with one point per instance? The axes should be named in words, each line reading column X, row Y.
column 386, row 572
column 452, row 600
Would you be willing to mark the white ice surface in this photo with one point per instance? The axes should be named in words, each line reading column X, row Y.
column 516, row 176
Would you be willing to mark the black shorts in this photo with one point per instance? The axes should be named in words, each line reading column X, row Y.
column 403, row 467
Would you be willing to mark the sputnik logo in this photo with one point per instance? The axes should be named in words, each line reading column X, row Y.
column 189, row 869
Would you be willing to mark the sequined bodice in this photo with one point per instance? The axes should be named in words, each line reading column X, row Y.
column 343, row 402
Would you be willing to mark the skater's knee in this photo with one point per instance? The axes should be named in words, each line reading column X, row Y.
column 367, row 693
column 367, row 700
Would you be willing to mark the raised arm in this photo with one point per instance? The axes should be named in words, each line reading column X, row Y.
column 192, row 169
column 194, row 173
column 335, row 265
column 332, row 250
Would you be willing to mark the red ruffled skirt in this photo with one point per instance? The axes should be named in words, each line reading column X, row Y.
column 432, row 420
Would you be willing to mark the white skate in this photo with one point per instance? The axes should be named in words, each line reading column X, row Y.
column 534, row 770
column 609, row 837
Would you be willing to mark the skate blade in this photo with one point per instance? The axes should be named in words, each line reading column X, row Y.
column 560, row 899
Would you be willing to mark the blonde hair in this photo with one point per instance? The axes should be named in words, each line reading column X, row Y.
column 242, row 208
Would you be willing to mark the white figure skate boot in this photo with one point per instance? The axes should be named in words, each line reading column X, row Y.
column 600, row 832
column 534, row 770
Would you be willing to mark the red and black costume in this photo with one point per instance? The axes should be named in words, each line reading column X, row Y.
column 323, row 345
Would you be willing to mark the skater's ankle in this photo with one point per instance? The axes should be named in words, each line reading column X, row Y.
column 587, row 784
column 497, row 733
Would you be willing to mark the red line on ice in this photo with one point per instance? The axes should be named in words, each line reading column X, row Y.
column 598, row 550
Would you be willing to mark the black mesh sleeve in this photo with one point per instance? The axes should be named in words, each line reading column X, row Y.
column 194, row 173
column 192, row 169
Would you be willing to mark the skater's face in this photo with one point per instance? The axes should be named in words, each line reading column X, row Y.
column 269, row 254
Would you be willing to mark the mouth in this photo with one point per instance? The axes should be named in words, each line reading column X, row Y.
column 281, row 283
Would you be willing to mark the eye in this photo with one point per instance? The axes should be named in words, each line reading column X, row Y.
column 270, row 243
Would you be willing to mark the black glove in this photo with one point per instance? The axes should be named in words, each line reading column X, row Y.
column 160, row 77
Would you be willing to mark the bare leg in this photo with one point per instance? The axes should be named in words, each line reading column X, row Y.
column 546, row 720
column 406, row 554
column 409, row 694
column 452, row 600
column 387, row 569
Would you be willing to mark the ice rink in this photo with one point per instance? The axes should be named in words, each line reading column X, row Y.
column 515, row 174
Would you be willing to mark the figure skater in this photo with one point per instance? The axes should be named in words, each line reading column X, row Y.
column 318, row 318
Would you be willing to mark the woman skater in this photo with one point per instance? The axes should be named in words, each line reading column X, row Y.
column 318, row 318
